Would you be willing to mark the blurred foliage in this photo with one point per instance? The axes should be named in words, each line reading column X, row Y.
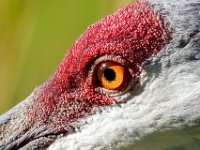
column 35, row 36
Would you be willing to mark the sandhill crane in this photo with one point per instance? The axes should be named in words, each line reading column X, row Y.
column 131, row 74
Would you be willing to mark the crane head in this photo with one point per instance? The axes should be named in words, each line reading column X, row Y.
column 131, row 74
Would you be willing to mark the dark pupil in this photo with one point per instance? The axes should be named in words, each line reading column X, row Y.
column 109, row 74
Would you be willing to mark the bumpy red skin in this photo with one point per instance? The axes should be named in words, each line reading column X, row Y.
column 134, row 33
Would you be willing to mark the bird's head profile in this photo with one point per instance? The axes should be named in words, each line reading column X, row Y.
column 131, row 74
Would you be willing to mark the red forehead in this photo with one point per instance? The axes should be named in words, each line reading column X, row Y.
column 135, row 33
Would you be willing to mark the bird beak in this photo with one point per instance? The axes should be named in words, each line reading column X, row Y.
column 16, row 131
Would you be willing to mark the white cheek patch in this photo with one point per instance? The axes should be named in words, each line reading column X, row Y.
column 171, row 100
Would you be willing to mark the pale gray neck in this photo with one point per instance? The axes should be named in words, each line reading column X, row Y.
column 183, row 19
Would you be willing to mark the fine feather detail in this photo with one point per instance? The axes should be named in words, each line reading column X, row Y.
column 167, row 95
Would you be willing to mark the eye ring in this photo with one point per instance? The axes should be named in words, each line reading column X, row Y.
column 112, row 75
column 131, row 74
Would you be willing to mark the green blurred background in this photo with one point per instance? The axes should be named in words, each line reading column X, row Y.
column 34, row 37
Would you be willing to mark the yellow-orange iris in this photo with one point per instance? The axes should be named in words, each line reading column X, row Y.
column 111, row 77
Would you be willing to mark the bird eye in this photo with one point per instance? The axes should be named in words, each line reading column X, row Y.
column 111, row 76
